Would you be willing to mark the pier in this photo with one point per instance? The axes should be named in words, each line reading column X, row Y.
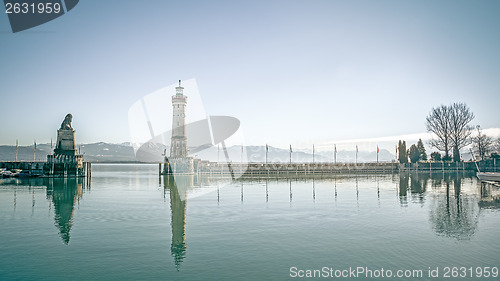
column 255, row 169
column 48, row 169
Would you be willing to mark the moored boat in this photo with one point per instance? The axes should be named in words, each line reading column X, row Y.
column 23, row 174
column 485, row 176
column 488, row 176
column 6, row 174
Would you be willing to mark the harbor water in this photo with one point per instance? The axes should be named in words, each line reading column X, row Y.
column 128, row 223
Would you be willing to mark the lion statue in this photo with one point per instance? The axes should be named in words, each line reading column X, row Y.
column 66, row 124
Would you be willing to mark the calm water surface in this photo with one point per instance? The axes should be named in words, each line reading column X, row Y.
column 129, row 224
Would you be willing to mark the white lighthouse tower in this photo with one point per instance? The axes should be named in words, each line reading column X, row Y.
column 178, row 143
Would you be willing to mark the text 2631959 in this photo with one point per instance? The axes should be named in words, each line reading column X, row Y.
column 33, row 8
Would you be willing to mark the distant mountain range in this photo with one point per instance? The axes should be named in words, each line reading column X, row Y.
column 94, row 152
column 108, row 152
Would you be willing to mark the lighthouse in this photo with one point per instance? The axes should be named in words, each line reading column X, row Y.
column 178, row 143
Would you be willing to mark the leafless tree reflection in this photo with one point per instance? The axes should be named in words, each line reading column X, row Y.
column 454, row 214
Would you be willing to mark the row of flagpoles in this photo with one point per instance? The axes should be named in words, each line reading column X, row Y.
column 334, row 153
column 34, row 148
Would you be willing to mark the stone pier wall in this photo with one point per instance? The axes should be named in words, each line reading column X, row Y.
column 49, row 169
column 205, row 167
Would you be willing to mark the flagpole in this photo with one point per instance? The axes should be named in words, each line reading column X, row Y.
column 313, row 153
column 34, row 149
column 335, row 155
column 290, row 154
column 356, row 154
column 267, row 148
column 241, row 164
column 17, row 147
column 377, row 153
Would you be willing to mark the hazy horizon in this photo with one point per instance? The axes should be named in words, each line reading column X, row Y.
column 367, row 144
column 292, row 72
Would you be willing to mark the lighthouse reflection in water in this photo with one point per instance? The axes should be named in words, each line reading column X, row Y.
column 178, row 212
column 179, row 189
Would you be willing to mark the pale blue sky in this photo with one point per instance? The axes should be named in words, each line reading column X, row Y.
column 291, row 71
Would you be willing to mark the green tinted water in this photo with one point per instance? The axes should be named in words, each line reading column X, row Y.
column 129, row 224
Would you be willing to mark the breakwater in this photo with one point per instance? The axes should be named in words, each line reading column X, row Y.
column 246, row 169
column 48, row 169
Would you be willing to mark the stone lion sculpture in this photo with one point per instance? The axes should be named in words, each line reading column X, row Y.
column 66, row 124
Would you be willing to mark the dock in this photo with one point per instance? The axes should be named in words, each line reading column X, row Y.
column 48, row 169
column 255, row 169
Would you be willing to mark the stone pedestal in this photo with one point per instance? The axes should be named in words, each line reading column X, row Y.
column 65, row 165
column 65, row 144
column 65, row 161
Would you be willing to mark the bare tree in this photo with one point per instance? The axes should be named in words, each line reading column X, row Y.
column 438, row 122
column 450, row 125
column 483, row 144
column 460, row 128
